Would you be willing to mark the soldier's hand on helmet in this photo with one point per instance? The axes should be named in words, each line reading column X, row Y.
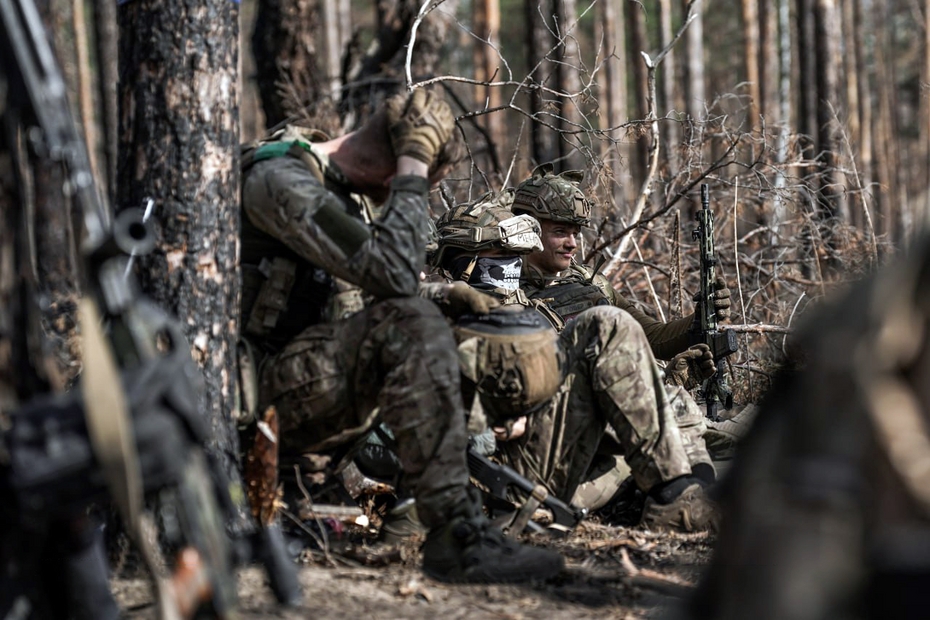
column 459, row 298
column 689, row 368
column 419, row 124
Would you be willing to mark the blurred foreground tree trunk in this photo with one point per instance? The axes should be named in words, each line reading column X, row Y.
column 179, row 143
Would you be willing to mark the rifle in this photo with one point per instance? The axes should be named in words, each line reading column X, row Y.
column 497, row 478
column 141, row 366
column 722, row 343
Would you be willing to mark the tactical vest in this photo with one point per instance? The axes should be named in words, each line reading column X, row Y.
column 282, row 293
column 573, row 293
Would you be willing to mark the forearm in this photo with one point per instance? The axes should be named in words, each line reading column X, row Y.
column 666, row 339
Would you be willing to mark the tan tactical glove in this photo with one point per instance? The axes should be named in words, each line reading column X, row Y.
column 721, row 299
column 690, row 368
column 419, row 124
column 459, row 298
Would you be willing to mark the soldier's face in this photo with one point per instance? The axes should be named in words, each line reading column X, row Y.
column 560, row 241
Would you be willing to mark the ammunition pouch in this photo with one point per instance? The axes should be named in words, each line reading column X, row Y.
column 273, row 293
column 513, row 359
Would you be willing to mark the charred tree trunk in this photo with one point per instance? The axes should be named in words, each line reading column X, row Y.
column 287, row 61
column 381, row 71
column 179, row 147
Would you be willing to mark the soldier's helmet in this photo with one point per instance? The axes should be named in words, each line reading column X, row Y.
column 511, row 357
column 556, row 197
column 486, row 223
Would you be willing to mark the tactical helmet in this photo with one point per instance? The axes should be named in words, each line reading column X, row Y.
column 512, row 358
column 557, row 197
column 484, row 224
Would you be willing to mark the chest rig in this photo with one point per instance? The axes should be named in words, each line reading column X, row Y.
column 280, row 294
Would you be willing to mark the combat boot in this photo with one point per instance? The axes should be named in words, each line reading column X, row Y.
column 402, row 523
column 469, row 549
column 690, row 511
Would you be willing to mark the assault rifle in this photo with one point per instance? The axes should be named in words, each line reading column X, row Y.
column 722, row 343
column 497, row 478
column 139, row 367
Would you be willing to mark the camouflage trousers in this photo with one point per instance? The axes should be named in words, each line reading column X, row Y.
column 612, row 379
column 394, row 361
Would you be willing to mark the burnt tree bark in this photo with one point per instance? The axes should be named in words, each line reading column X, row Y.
column 287, row 58
column 179, row 143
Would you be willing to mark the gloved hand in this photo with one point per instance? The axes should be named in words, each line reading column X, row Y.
column 690, row 368
column 721, row 299
column 459, row 298
column 419, row 124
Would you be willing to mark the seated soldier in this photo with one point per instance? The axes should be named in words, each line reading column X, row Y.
column 333, row 372
column 562, row 210
column 610, row 380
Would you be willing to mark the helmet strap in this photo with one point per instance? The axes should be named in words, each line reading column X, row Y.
column 466, row 275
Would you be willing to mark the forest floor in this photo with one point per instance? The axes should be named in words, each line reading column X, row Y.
column 612, row 571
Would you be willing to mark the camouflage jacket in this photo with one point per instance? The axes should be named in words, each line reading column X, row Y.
column 316, row 254
column 579, row 288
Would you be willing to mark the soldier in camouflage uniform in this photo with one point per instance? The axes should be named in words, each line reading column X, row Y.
column 610, row 380
column 552, row 273
column 333, row 369
column 569, row 288
column 827, row 509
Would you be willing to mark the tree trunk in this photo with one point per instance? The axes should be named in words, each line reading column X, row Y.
column 638, row 44
column 669, row 98
column 106, row 45
column 864, row 146
column 539, row 43
column 613, row 98
column 807, row 73
column 826, row 37
column 695, row 99
column 572, row 139
column 290, row 81
column 487, row 25
column 179, row 147
column 382, row 70
column 751, row 58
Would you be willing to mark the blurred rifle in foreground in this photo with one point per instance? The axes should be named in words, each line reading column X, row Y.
column 134, row 427
column 136, row 371
column 722, row 343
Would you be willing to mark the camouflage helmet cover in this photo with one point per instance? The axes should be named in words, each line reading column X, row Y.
column 487, row 223
column 556, row 197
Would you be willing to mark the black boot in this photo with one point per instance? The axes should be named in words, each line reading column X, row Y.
column 468, row 549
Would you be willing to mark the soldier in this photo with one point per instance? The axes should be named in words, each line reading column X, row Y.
column 552, row 273
column 827, row 510
column 610, row 379
column 329, row 301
